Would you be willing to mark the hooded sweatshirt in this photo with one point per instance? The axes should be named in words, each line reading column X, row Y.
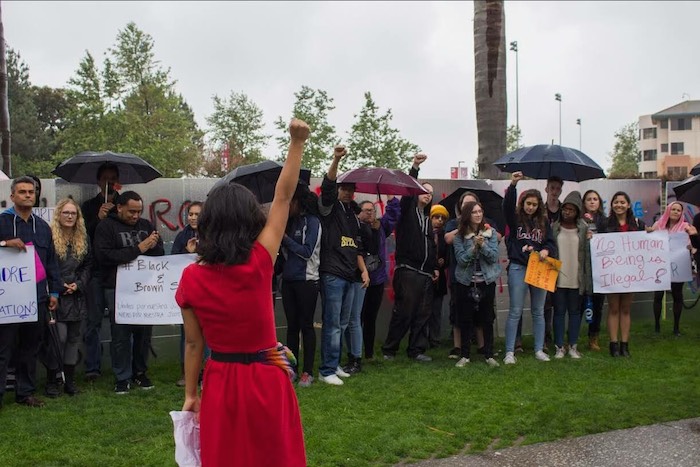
column 118, row 243
column 583, row 254
column 520, row 235
column 38, row 232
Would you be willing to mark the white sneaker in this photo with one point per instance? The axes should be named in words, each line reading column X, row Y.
column 560, row 352
column 541, row 356
column 510, row 358
column 574, row 353
column 331, row 379
column 462, row 362
column 342, row 373
column 492, row 362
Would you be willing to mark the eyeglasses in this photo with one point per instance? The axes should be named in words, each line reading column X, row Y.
column 69, row 214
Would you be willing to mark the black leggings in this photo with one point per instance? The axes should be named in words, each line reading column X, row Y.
column 677, row 294
column 370, row 310
column 299, row 301
column 471, row 313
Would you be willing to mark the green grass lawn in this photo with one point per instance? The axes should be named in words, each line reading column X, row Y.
column 398, row 411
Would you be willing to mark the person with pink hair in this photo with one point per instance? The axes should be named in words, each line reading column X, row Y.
column 671, row 220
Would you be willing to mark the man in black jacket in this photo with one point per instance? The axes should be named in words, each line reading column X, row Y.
column 120, row 239
column 94, row 210
column 415, row 273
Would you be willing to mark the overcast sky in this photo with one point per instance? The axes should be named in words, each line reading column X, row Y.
column 611, row 61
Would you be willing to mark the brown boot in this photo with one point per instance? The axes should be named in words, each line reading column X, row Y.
column 593, row 343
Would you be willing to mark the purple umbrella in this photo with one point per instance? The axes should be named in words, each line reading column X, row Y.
column 382, row 181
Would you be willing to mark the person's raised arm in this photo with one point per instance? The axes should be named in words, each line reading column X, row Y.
column 271, row 235
column 509, row 200
column 338, row 153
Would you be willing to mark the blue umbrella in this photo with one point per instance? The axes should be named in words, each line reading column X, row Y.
column 545, row 160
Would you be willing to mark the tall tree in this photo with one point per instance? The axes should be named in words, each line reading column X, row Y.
column 490, row 84
column 5, row 146
column 236, row 130
column 625, row 153
column 513, row 137
column 312, row 106
column 374, row 142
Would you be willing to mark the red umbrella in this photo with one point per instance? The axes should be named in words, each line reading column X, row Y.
column 382, row 181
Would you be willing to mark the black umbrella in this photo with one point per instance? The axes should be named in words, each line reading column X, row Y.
column 545, row 160
column 260, row 178
column 491, row 201
column 688, row 191
column 82, row 168
column 695, row 170
column 54, row 346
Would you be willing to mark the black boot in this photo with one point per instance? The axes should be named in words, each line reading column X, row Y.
column 52, row 390
column 614, row 349
column 69, row 387
column 624, row 349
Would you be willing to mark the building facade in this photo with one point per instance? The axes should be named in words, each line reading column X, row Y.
column 669, row 141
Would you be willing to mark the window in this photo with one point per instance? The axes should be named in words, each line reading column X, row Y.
column 677, row 148
column 664, row 124
column 649, row 155
column 664, row 147
column 649, row 133
column 677, row 173
column 680, row 124
column 649, row 175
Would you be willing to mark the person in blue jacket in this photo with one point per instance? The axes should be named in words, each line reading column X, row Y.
column 301, row 249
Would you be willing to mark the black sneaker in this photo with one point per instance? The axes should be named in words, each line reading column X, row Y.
column 122, row 387
column 352, row 368
column 52, row 390
column 143, row 381
column 455, row 353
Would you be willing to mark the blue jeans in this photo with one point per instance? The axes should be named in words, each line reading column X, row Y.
column 337, row 300
column 517, row 288
column 567, row 300
column 353, row 334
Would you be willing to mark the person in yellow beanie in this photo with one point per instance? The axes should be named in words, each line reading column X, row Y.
column 439, row 210
column 438, row 218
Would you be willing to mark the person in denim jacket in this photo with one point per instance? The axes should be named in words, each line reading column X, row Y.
column 476, row 251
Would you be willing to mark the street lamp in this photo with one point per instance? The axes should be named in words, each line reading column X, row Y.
column 557, row 97
column 459, row 169
column 578, row 122
column 514, row 48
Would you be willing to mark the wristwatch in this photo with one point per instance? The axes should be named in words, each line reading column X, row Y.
column 3, row 243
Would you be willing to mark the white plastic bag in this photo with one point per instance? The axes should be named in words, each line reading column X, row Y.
column 186, row 439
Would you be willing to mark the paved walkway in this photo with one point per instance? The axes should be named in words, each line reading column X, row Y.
column 675, row 444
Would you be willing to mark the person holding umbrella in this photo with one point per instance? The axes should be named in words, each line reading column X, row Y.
column 18, row 227
column 75, row 262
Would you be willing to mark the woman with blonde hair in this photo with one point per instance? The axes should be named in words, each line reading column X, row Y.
column 75, row 261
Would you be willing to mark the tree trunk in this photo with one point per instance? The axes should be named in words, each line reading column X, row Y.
column 490, row 84
column 4, row 107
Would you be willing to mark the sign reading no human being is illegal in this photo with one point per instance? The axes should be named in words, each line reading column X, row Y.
column 18, row 301
column 145, row 291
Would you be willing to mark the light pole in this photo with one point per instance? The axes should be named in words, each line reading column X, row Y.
column 459, row 169
column 580, row 131
column 557, row 97
column 514, row 48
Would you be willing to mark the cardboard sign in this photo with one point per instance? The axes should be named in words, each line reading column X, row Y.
column 681, row 269
column 18, row 301
column 631, row 262
column 145, row 291
column 542, row 274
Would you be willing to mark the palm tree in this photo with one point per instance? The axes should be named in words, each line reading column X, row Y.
column 490, row 84
column 4, row 109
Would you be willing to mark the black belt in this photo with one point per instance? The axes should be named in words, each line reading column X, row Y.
column 245, row 358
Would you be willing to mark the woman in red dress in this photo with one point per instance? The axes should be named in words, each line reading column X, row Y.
column 248, row 410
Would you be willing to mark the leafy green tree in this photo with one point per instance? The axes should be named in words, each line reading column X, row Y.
column 236, row 127
column 514, row 137
column 625, row 154
column 373, row 142
column 312, row 106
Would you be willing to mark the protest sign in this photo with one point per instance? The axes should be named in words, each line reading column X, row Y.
column 542, row 274
column 630, row 262
column 46, row 213
column 145, row 291
column 681, row 269
column 18, row 301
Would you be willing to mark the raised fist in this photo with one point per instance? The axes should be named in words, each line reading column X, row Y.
column 515, row 177
column 419, row 158
column 339, row 151
column 299, row 130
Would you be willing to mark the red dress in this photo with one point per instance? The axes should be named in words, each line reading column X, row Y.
column 249, row 413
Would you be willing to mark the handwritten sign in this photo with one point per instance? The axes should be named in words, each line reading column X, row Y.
column 145, row 291
column 45, row 213
column 542, row 274
column 18, row 301
column 681, row 269
column 631, row 262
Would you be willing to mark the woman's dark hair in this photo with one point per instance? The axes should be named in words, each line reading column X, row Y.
column 458, row 206
column 613, row 223
column 229, row 224
column 600, row 210
column 465, row 224
column 194, row 204
column 307, row 202
column 539, row 218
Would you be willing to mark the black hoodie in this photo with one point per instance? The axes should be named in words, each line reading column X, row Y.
column 520, row 235
column 117, row 243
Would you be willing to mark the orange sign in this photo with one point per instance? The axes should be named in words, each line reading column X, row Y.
column 542, row 274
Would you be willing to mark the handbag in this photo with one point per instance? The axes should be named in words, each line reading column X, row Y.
column 372, row 262
column 475, row 293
